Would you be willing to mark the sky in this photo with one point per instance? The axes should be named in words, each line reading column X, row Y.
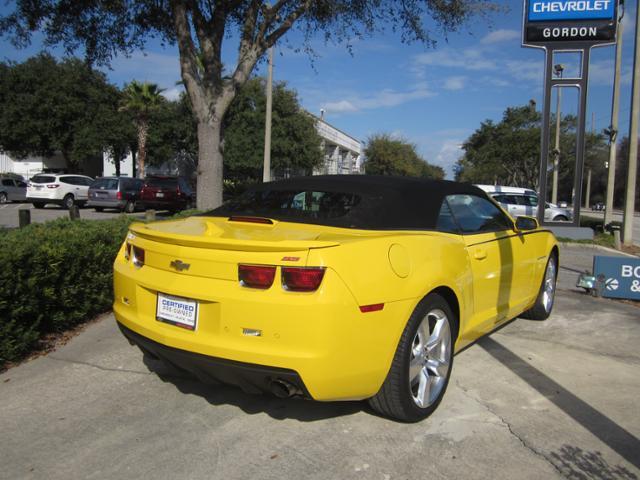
column 432, row 97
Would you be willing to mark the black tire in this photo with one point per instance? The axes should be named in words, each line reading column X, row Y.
column 38, row 204
column 542, row 308
column 396, row 398
column 98, row 209
column 129, row 207
column 4, row 198
column 68, row 201
column 560, row 218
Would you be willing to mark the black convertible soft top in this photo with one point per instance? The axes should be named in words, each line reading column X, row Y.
column 382, row 202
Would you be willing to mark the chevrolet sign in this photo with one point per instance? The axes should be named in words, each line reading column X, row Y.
column 554, row 10
column 574, row 22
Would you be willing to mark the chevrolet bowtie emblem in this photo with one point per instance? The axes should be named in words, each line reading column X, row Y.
column 179, row 265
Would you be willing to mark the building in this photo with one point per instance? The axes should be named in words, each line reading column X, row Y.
column 31, row 165
column 342, row 152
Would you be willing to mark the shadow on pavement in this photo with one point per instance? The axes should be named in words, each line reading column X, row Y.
column 575, row 463
column 277, row 408
column 601, row 426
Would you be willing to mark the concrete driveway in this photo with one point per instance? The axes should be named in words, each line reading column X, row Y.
column 535, row 400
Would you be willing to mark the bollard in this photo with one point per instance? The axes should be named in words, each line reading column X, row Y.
column 74, row 212
column 616, row 239
column 150, row 215
column 24, row 218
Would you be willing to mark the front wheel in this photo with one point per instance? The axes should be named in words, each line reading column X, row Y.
column 129, row 207
column 560, row 218
column 547, row 293
column 421, row 367
column 4, row 198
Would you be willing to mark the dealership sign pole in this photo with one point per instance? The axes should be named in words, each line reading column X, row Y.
column 567, row 26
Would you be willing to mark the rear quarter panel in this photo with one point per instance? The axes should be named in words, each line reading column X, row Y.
column 431, row 260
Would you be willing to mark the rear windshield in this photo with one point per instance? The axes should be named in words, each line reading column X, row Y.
column 105, row 184
column 43, row 179
column 292, row 205
column 161, row 182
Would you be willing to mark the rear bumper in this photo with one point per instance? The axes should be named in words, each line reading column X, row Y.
column 249, row 377
column 338, row 352
column 44, row 199
column 107, row 203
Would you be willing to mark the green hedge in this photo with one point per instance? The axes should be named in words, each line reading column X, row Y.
column 54, row 276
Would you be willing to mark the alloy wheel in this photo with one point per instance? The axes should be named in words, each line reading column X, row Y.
column 430, row 358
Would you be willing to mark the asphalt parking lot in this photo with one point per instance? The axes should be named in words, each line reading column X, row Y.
column 9, row 213
column 554, row 399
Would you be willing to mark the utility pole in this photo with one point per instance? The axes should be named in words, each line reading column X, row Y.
column 557, row 69
column 266, row 172
column 630, row 194
column 612, row 131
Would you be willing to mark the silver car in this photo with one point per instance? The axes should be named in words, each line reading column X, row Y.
column 12, row 190
column 524, row 201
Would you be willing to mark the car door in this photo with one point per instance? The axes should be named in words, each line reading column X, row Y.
column 501, row 274
column 21, row 191
column 8, row 187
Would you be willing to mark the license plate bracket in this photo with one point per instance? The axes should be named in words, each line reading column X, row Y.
column 178, row 311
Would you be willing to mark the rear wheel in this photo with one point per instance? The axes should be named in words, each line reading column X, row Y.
column 38, row 204
column 68, row 202
column 421, row 367
column 130, row 206
column 3, row 197
column 546, row 296
column 560, row 218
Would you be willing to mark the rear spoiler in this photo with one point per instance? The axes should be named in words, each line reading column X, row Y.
column 202, row 241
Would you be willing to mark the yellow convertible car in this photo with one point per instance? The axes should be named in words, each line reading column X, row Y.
column 334, row 287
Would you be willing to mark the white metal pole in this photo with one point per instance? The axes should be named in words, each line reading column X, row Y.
column 613, row 130
column 266, row 172
column 630, row 194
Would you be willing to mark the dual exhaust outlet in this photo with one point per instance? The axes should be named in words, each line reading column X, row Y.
column 283, row 389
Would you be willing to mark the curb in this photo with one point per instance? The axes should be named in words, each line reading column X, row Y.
column 598, row 247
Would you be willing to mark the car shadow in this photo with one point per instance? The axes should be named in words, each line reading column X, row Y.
column 277, row 408
column 576, row 463
column 602, row 427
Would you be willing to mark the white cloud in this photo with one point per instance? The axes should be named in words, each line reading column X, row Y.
column 525, row 70
column 450, row 152
column 500, row 36
column 173, row 93
column 384, row 98
column 469, row 59
column 454, row 83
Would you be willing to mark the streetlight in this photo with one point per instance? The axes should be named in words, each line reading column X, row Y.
column 557, row 70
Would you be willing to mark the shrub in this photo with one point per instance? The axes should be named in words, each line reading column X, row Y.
column 54, row 276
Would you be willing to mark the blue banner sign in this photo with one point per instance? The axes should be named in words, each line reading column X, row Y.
column 560, row 10
column 619, row 277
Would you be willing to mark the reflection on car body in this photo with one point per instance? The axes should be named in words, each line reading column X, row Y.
column 334, row 287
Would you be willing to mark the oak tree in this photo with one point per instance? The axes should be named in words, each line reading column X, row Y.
column 200, row 28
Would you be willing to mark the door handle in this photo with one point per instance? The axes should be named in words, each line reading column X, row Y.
column 480, row 254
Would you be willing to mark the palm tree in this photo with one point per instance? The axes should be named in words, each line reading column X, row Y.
column 141, row 99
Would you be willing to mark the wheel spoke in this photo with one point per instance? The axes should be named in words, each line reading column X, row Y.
column 415, row 367
column 424, row 388
column 437, row 367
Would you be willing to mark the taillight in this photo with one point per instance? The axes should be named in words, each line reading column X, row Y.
column 302, row 279
column 119, row 195
column 138, row 256
column 55, row 185
column 256, row 276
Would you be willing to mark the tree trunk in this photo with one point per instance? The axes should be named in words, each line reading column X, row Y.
column 143, row 130
column 209, row 189
column 117, row 158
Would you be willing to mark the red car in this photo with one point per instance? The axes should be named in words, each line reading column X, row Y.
column 166, row 193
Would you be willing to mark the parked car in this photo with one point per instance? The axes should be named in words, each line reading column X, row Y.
column 12, row 190
column 166, row 193
column 334, row 287
column 120, row 193
column 65, row 190
column 524, row 201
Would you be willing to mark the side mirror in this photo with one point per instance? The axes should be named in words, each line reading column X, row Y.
column 524, row 224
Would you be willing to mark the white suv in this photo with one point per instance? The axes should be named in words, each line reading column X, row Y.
column 524, row 201
column 65, row 190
